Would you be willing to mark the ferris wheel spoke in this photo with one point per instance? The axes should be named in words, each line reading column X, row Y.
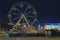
column 16, row 18
column 18, row 10
column 34, row 21
column 25, row 10
column 30, row 16
column 16, row 14
column 33, row 12
column 28, row 7
column 29, row 21
column 29, row 12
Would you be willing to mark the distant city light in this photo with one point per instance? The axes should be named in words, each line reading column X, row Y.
column 52, row 25
column 39, row 27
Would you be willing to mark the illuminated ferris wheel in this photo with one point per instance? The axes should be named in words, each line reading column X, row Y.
column 22, row 8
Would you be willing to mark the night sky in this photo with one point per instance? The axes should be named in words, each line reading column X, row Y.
column 48, row 10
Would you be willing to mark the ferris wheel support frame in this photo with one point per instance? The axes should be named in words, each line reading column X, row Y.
column 23, row 17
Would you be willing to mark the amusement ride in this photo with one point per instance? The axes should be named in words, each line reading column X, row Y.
column 23, row 14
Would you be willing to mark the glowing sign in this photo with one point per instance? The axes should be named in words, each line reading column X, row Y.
column 48, row 27
column 52, row 26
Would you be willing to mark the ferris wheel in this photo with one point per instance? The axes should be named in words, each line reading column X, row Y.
column 22, row 8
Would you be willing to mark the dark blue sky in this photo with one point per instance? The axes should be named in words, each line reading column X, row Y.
column 48, row 10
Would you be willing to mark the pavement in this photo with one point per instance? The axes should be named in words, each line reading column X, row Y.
column 29, row 38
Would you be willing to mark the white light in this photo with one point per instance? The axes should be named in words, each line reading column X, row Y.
column 24, row 25
column 19, row 24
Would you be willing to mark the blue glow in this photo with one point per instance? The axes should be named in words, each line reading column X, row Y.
column 39, row 26
column 52, row 25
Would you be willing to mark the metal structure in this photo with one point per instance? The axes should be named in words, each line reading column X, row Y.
column 25, row 11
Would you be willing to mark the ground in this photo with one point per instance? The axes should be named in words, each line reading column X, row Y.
column 30, row 38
